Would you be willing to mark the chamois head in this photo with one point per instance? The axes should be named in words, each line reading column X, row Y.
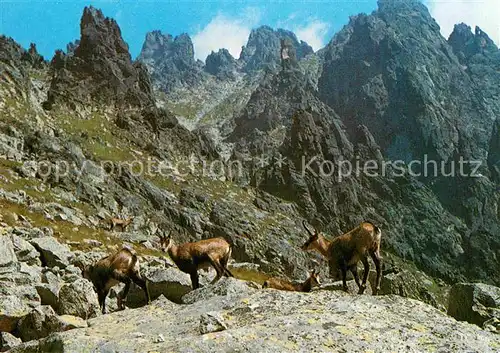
column 165, row 242
column 314, row 278
column 311, row 243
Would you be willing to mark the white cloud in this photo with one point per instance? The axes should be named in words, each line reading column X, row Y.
column 287, row 22
column 482, row 13
column 225, row 32
column 314, row 33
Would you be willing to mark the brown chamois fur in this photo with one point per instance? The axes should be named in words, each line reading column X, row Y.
column 123, row 223
column 190, row 257
column 345, row 251
column 283, row 284
column 123, row 266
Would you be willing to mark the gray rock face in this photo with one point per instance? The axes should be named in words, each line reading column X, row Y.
column 48, row 290
column 480, row 58
column 494, row 153
column 221, row 64
column 49, row 295
column 78, row 299
column 11, row 310
column 275, row 321
column 53, row 253
column 25, row 252
column 474, row 302
column 418, row 101
column 7, row 255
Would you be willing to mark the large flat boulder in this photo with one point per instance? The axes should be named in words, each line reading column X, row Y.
column 276, row 321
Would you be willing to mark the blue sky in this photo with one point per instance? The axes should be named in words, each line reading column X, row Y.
column 211, row 23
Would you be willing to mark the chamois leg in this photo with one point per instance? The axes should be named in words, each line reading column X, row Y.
column 354, row 271
column 218, row 268
column 366, row 272
column 195, row 279
column 141, row 282
column 227, row 273
column 123, row 294
column 343, row 270
column 377, row 259
column 224, row 262
column 101, row 296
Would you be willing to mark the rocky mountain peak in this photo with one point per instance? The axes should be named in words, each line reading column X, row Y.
column 71, row 47
column 158, row 46
column 100, row 35
column 9, row 49
column 221, row 64
column 263, row 48
column 170, row 60
column 466, row 44
column 100, row 68
column 12, row 52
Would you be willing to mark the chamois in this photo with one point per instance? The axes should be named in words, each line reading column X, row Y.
column 123, row 223
column 345, row 251
column 123, row 266
column 190, row 257
column 282, row 284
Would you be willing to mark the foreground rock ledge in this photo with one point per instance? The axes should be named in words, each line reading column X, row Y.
column 274, row 321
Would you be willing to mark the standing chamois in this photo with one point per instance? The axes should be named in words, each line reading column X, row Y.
column 123, row 223
column 345, row 251
column 122, row 266
column 190, row 257
column 282, row 284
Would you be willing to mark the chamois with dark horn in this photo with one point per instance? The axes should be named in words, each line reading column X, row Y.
column 345, row 251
